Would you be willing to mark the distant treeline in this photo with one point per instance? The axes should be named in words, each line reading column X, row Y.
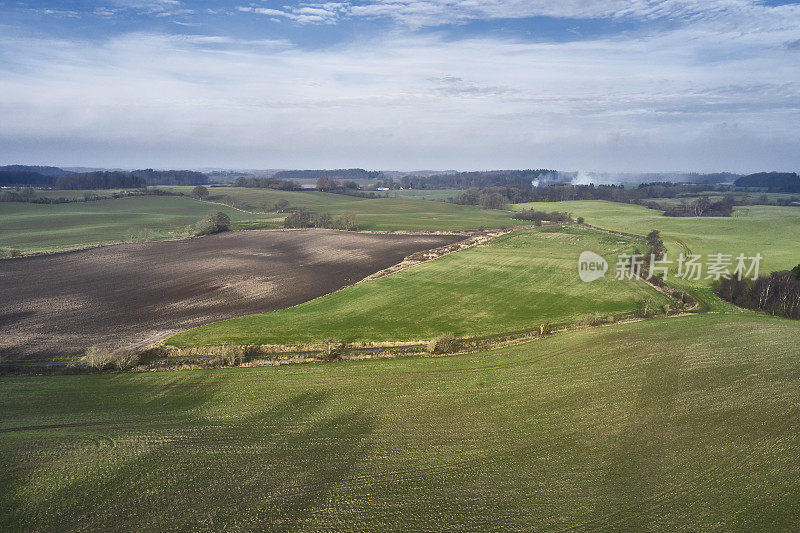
column 496, row 197
column 46, row 171
column 499, row 197
column 22, row 176
column 301, row 218
column 522, row 179
column 532, row 178
column 788, row 182
column 29, row 195
column 712, row 178
column 172, row 177
column 702, row 207
column 10, row 178
column 100, row 180
column 777, row 294
column 267, row 183
column 540, row 216
column 339, row 174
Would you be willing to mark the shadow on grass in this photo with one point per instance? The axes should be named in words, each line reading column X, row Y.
column 269, row 469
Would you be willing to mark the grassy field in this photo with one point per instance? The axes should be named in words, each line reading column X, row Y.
column 772, row 231
column 415, row 215
column 425, row 194
column 772, row 198
column 399, row 213
column 70, row 194
column 518, row 281
column 684, row 423
column 253, row 199
column 37, row 228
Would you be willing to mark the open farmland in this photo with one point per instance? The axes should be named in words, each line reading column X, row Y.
column 383, row 214
column 254, row 199
column 32, row 228
column 772, row 198
column 425, row 194
column 515, row 282
column 392, row 214
column 71, row 194
column 46, row 228
column 772, row 231
column 60, row 304
column 687, row 423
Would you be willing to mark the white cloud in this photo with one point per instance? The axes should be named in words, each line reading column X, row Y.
column 699, row 97
column 417, row 13
column 327, row 13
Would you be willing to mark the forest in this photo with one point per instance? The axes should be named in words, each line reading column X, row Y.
column 522, row 179
column 771, row 181
column 340, row 174
column 777, row 294
column 267, row 183
column 100, row 180
column 53, row 177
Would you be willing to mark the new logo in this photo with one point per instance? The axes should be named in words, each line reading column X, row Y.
column 591, row 267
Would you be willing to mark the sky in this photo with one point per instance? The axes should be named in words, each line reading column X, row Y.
column 614, row 86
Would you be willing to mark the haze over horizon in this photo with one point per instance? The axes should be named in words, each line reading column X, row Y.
column 614, row 86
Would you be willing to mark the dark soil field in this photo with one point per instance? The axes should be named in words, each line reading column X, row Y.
column 133, row 294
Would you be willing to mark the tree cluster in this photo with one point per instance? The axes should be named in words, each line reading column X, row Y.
column 335, row 174
column 489, row 198
column 214, row 223
column 30, row 195
column 25, row 177
column 200, row 192
column 328, row 184
column 777, row 294
column 522, row 179
column 788, row 182
column 100, row 180
column 267, row 183
column 302, row 218
column 656, row 244
column 702, row 207
column 14, row 175
column 542, row 216
column 171, row 177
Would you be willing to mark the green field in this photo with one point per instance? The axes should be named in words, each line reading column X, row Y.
column 425, row 194
column 714, row 196
column 772, row 231
column 515, row 282
column 393, row 214
column 416, row 215
column 253, row 199
column 669, row 424
column 44, row 228
column 79, row 194
column 41, row 228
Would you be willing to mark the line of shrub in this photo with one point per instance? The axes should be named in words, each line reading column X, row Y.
column 302, row 218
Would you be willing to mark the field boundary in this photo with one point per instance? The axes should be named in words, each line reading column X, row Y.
column 156, row 355
column 425, row 256
column 160, row 357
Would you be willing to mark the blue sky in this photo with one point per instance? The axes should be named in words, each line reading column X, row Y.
column 402, row 84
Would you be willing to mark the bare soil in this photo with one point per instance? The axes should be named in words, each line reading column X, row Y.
column 134, row 294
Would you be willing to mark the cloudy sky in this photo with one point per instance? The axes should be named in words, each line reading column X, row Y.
column 402, row 84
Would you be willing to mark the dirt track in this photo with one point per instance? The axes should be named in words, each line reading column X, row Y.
column 133, row 294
